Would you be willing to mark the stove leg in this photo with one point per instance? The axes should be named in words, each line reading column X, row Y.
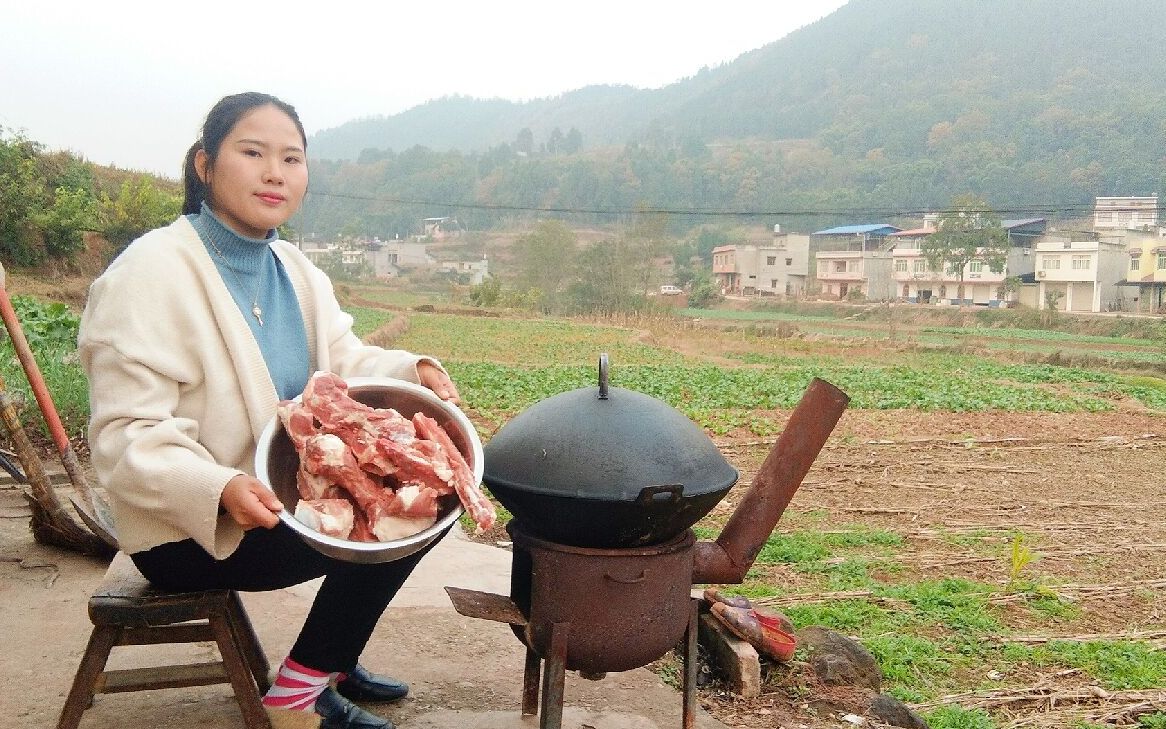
column 690, row 664
column 530, row 679
column 554, row 677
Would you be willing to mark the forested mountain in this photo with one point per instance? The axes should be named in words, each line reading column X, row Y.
column 884, row 106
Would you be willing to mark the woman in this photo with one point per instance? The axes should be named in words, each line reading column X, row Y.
column 189, row 339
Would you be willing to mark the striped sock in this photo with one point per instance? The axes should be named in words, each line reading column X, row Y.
column 296, row 687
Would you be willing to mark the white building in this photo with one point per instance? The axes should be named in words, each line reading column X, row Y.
column 1125, row 213
column 1082, row 275
column 475, row 271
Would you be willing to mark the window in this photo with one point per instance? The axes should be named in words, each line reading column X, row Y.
column 976, row 267
column 919, row 266
column 1051, row 263
column 771, row 260
column 901, row 265
column 821, row 266
column 773, row 283
column 1162, row 261
column 1133, row 264
column 839, row 266
column 789, row 261
column 1082, row 263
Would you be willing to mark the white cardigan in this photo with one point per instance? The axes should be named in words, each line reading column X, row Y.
column 178, row 388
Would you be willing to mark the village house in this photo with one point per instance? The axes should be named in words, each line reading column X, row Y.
column 385, row 259
column 852, row 260
column 916, row 282
column 1125, row 213
column 1144, row 282
column 773, row 268
column 473, row 272
column 1080, row 271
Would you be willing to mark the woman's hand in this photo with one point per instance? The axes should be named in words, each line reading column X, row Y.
column 250, row 503
column 435, row 379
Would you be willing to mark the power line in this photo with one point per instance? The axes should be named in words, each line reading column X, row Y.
column 1049, row 209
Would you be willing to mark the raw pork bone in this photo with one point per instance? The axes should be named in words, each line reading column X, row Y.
column 480, row 508
column 333, row 517
column 325, row 455
column 430, row 458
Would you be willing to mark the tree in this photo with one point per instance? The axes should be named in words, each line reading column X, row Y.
column 73, row 212
column 23, row 196
column 543, row 260
column 966, row 233
column 524, row 142
column 555, row 141
column 140, row 206
column 605, row 280
column 573, row 142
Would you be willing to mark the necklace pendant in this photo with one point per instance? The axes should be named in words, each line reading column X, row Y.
column 257, row 313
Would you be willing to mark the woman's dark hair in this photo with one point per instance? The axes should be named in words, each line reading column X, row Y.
column 221, row 119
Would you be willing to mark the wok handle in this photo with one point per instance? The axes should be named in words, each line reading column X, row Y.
column 603, row 376
column 648, row 494
column 627, row 580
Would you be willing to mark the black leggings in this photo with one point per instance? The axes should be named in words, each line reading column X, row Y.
column 346, row 609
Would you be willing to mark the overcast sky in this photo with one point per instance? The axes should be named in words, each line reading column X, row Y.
column 128, row 83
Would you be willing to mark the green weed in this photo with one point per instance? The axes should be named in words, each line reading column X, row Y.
column 961, row 605
column 954, row 717
column 910, row 661
column 1118, row 665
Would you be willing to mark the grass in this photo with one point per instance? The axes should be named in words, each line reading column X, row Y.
column 1117, row 665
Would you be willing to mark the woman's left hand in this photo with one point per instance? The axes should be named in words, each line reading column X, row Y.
column 437, row 380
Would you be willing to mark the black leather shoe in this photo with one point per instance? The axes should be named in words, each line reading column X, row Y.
column 338, row 712
column 361, row 685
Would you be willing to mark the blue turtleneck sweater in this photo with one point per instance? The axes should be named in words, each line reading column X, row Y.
column 254, row 276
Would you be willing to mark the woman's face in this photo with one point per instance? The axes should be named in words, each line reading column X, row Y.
column 260, row 174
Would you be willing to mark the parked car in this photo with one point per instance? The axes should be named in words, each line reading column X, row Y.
column 670, row 290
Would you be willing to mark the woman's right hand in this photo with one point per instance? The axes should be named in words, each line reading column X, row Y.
column 250, row 503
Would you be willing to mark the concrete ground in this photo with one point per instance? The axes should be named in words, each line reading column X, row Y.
column 463, row 672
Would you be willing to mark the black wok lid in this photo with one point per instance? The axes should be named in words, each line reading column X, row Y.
column 604, row 443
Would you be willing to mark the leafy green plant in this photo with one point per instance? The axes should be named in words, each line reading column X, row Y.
column 955, row 717
column 1157, row 720
column 46, row 324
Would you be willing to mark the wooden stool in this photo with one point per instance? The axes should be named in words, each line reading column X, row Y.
column 128, row 610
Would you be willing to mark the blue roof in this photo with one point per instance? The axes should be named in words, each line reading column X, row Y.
column 1008, row 224
column 857, row 229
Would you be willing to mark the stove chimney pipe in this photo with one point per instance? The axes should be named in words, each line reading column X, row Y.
column 726, row 560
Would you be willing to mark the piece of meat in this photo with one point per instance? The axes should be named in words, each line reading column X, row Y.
column 361, row 531
column 298, row 421
column 333, row 517
column 414, row 500
column 480, row 508
column 404, row 514
column 388, row 528
column 325, row 455
column 412, row 462
column 326, row 397
column 311, row 485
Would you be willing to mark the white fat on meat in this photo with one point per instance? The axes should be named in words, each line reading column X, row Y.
column 333, row 517
column 325, row 450
column 388, row 528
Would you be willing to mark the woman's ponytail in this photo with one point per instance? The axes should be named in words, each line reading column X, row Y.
column 195, row 188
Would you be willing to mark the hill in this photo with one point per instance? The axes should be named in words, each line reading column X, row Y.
column 884, row 106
